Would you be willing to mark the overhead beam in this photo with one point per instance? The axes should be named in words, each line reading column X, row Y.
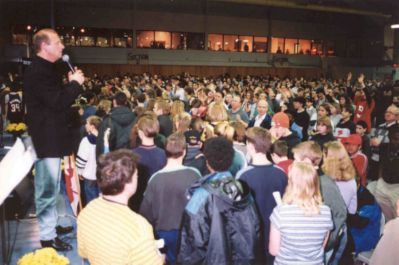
column 313, row 7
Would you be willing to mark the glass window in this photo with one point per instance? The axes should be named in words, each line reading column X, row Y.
column 291, row 46
column 277, row 45
column 162, row 40
column 85, row 37
column 330, row 48
column 67, row 35
column 215, row 42
column 260, row 44
column 102, row 42
column 22, row 34
column 195, row 41
column 145, row 39
column 230, row 43
column 20, row 39
column 304, row 47
column 317, row 47
column 122, row 38
column 245, row 43
column 178, row 42
column 85, row 41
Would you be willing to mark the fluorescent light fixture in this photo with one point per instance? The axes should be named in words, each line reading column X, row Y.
column 395, row 26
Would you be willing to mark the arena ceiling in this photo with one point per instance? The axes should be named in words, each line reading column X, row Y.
column 376, row 8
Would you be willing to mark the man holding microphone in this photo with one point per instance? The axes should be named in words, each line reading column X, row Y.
column 48, row 101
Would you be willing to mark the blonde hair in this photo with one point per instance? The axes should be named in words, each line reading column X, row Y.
column 217, row 113
column 105, row 105
column 225, row 129
column 176, row 108
column 310, row 151
column 337, row 163
column 163, row 105
column 326, row 122
column 181, row 122
column 94, row 120
column 303, row 188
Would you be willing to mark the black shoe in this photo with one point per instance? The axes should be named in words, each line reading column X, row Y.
column 62, row 230
column 57, row 244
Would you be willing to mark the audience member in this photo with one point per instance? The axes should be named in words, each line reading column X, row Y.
column 108, row 231
column 220, row 221
column 263, row 179
column 165, row 198
column 302, row 209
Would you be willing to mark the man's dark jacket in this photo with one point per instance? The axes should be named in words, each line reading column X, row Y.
column 218, row 229
column 266, row 122
column 48, row 102
column 121, row 120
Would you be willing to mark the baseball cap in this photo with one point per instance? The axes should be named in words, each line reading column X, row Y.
column 355, row 139
column 281, row 119
column 193, row 137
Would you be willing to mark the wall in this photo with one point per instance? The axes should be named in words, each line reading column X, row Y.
column 38, row 13
column 111, row 69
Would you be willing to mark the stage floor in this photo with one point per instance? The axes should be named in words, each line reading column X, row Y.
column 26, row 234
column 26, row 231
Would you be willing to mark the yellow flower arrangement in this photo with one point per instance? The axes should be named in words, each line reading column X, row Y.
column 16, row 127
column 44, row 256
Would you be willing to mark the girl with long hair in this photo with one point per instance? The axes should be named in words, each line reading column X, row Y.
column 300, row 225
column 338, row 166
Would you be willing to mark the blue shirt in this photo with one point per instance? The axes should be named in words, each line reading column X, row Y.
column 263, row 181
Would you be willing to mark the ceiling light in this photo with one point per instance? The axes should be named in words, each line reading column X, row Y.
column 395, row 26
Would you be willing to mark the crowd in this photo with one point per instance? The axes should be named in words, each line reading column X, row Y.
column 202, row 163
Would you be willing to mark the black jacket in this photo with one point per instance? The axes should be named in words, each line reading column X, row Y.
column 220, row 223
column 48, row 102
column 266, row 123
column 121, row 120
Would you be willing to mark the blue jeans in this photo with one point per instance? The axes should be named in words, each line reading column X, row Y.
column 170, row 238
column 91, row 190
column 47, row 188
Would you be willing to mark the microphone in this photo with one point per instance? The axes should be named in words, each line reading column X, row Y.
column 65, row 58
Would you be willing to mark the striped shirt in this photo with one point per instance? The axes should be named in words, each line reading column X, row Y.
column 110, row 233
column 302, row 236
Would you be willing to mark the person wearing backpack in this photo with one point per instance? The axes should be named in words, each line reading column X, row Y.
column 120, row 121
column 220, row 222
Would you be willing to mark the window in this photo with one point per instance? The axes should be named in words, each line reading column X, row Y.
column 22, row 34
column 145, row 39
column 304, row 47
column 162, row 40
column 245, row 43
column 291, row 46
column 277, row 45
column 178, row 41
column 195, row 41
column 330, row 48
column 316, row 47
column 122, row 38
column 230, row 43
column 215, row 42
column 102, row 42
column 103, row 37
column 85, row 37
column 260, row 44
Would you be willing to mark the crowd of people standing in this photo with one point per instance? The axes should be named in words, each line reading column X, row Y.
column 208, row 159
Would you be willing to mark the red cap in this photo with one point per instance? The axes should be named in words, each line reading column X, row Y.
column 281, row 119
column 355, row 139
